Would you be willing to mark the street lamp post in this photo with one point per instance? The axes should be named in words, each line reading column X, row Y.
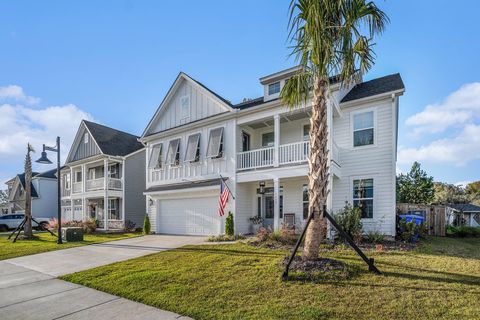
column 44, row 160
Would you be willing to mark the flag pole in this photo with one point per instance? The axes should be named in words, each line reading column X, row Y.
column 223, row 179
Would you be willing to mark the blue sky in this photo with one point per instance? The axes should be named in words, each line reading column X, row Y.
column 113, row 61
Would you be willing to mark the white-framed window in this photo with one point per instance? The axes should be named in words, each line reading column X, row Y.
column 363, row 196
column 114, row 171
column 363, row 128
column 114, row 209
column 215, row 143
column 192, row 154
column 67, row 181
column 78, row 176
column 305, row 201
column 274, row 88
column 173, row 153
column 155, row 161
column 85, row 137
column 185, row 107
column 268, row 139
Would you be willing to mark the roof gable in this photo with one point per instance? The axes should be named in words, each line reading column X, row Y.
column 20, row 183
column 101, row 140
column 186, row 101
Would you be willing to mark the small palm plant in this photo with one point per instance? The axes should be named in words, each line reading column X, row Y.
column 330, row 37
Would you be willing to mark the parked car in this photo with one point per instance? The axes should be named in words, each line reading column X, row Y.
column 13, row 220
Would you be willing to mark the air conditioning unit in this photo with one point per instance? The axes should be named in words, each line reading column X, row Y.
column 72, row 234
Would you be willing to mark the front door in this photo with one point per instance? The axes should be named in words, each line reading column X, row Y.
column 268, row 211
column 93, row 210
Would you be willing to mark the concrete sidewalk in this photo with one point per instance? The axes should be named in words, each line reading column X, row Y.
column 29, row 289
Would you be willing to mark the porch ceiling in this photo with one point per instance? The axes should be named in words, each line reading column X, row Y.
column 284, row 117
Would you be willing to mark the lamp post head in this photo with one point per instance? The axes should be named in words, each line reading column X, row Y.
column 44, row 159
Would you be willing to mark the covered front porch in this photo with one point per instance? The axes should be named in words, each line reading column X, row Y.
column 279, row 202
column 107, row 211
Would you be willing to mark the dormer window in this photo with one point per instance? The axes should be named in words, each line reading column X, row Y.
column 274, row 88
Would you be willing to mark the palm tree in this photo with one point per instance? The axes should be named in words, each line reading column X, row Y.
column 28, row 234
column 329, row 38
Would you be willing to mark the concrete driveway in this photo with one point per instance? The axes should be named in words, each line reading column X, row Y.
column 29, row 288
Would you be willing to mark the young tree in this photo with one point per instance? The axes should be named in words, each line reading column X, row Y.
column 28, row 194
column 449, row 193
column 415, row 186
column 473, row 192
column 329, row 37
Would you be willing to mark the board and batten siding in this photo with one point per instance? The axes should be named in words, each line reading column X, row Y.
column 134, row 183
column 202, row 105
column 376, row 162
column 85, row 150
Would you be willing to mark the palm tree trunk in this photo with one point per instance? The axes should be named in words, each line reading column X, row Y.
column 28, row 234
column 318, row 171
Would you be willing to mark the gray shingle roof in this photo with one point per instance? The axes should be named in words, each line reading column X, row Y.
column 113, row 142
column 465, row 207
column 51, row 174
column 373, row 87
column 21, row 176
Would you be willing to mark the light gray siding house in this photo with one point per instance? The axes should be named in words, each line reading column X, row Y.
column 44, row 194
column 261, row 147
column 103, row 177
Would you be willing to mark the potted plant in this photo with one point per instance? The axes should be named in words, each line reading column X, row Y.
column 257, row 222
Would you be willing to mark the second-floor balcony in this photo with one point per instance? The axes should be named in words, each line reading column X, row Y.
column 291, row 153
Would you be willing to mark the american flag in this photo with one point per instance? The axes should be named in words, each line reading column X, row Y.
column 223, row 199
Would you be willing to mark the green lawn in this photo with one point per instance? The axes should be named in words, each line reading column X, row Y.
column 45, row 242
column 440, row 280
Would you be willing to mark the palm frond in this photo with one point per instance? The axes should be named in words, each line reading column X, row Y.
column 296, row 90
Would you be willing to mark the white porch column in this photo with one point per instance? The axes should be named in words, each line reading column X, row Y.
column 276, row 133
column 72, row 207
column 105, row 198
column 276, row 203
column 85, row 213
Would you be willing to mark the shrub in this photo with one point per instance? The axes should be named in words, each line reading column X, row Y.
column 223, row 237
column 88, row 226
column 349, row 218
column 375, row 237
column 229, row 228
column 129, row 226
column 283, row 237
column 463, row 232
column 146, row 225
column 409, row 231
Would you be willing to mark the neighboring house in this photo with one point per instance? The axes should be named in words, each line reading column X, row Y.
column 44, row 194
column 463, row 214
column 260, row 147
column 104, row 177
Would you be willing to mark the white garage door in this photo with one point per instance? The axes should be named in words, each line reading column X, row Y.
column 191, row 216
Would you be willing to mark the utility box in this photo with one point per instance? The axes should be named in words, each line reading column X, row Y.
column 72, row 234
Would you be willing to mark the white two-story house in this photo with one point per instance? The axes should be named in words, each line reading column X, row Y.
column 104, row 177
column 260, row 147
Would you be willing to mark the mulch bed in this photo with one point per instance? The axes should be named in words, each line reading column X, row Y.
column 318, row 269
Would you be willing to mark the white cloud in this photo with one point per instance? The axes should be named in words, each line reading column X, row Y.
column 20, row 124
column 459, row 108
column 458, row 150
column 14, row 92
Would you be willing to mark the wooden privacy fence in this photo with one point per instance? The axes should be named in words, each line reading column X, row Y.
column 434, row 216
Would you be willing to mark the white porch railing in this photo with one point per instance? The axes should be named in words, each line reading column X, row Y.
column 114, row 183
column 257, row 158
column 77, row 187
column 294, row 152
column 95, row 184
column 65, row 192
